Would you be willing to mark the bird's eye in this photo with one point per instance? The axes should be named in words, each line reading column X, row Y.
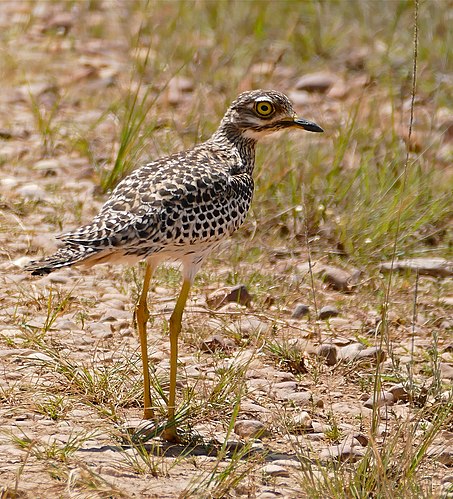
column 264, row 108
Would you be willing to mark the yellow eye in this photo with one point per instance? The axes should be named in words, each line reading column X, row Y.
column 264, row 108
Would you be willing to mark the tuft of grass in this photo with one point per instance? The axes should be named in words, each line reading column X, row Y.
column 287, row 355
column 225, row 475
column 53, row 406
column 53, row 449
column 46, row 119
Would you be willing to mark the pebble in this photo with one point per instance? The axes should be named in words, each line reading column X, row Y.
column 328, row 352
column 250, row 407
column 288, row 463
column 339, row 279
column 217, row 342
column 41, row 357
column 300, row 310
column 235, row 294
column 275, row 470
column 315, row 437
column 250, row 326
column 372, row 353
column 32, row 192
column 316, row 82
column 399, row 412
column 250, row 428
column 57, row 279
column 302, row 422
column 300, row 398
column 446, row 370
column 350, row 352
column 47, row 164
column 115, row 296
column 65, row 325
column 443, row 453
column 257, row 384
column 115, row 304
column 399, row 392
column 342, row 452
column 284, row 376
column 286, row 385
column 436, row 267
column 327, row 312
column 384, row 398
column 269, row 494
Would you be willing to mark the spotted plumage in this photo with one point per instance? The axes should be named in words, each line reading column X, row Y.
column 181, row 206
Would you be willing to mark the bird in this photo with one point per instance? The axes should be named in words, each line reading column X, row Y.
column 179, row 208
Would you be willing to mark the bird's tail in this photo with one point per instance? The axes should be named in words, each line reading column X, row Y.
column 64, row 257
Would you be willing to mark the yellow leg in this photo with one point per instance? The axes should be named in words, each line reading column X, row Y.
column 142, row 316
column 175, row 328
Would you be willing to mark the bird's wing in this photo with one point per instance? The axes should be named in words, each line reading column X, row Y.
column 144, row 201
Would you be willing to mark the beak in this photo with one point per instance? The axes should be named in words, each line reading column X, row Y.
column 307, row 125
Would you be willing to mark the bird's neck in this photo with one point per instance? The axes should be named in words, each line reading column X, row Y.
column 231, row 139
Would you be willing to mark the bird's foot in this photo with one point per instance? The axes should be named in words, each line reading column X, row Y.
column 170, row 434
column 148, row 413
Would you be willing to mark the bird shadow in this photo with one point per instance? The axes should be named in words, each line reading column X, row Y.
column 147, row 439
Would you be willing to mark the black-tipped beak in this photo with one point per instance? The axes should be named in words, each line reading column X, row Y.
column 308, row 125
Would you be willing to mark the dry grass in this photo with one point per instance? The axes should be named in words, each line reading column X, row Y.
column 91, row 88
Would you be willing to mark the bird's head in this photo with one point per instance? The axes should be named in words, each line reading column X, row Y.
column 260, row 112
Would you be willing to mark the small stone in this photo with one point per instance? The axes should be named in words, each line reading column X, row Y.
column 350, row 352
column 275, row 470
column 32, row 192
column 328, row 352
column 66, row 325
column 58, row 279
column 315, row 437
column 286, row 385
column 361, row 438
column 372, row 353
column 383, row 430
column 250, row 327
column 235, row 294
column 399, row 392
column 249, row 407
column 46, row 165
column 302, row 422
column 342, row 452
column 384, row 398
column 115, row 304
column 300, row 310
column 327, row 312
column 339, row 279
column 288, row 463
column 61, row 22
column 446, row 300
column 178, row 88
column 250, row 428
column 284, row 376
column 442, row 453
column 316, row 82
column 436, row 267
column 300, row 398
column 216, row 343
column 41, row 357
column 446, row 370
column 269, row 494
column 300, row 97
